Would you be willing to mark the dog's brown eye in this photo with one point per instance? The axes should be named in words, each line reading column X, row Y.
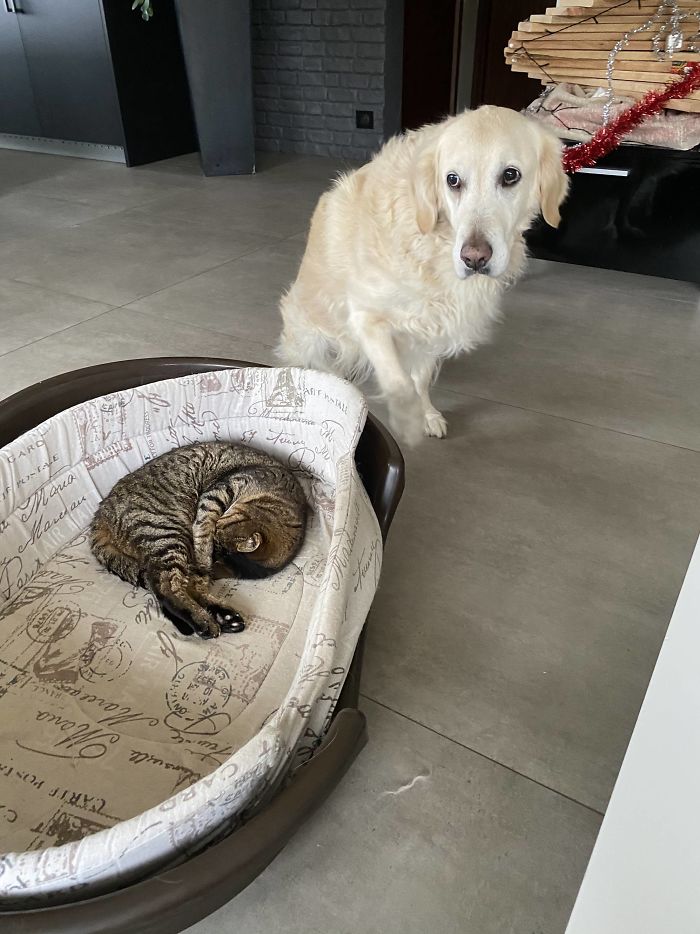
column 453, row 180
column 510, row 176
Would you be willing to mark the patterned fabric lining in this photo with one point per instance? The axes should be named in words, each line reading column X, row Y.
column 125, row 745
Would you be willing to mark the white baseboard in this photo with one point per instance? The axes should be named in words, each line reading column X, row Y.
column 62, row 147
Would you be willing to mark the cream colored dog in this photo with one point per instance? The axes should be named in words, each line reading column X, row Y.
column 407, row 257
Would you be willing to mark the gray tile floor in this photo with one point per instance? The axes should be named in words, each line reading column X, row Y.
column 531, row 571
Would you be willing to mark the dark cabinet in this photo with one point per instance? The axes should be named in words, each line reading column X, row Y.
column 70, row 70
column 17, row 112
column 636, row 210
column 93, row 72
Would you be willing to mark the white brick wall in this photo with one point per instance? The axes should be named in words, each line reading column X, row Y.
column 315, row 62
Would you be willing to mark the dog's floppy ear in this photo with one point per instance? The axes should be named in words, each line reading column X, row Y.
column 553, row 182
column 424, row 184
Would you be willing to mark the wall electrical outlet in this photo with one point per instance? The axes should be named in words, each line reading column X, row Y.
column 364, row 119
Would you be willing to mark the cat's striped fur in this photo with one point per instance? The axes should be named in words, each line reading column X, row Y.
column 164, row 525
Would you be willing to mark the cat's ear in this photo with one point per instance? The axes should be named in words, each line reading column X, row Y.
column 239, row 522
column 250, row 544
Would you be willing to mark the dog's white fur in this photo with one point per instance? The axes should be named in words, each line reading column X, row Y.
column 382, row 287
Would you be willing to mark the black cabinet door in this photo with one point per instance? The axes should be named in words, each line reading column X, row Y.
column 636, row 210
column 70, row 69
column 17, row 109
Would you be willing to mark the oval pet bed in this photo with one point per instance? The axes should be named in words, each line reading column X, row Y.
column 126, row 746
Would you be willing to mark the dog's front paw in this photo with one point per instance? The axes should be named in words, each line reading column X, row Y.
column 435, row 424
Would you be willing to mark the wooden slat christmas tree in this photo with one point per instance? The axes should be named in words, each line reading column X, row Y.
column 576, row 43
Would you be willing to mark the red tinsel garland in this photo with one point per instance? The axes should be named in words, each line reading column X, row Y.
column 610, row 136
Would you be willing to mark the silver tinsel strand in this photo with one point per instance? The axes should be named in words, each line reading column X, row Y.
column 667, row 41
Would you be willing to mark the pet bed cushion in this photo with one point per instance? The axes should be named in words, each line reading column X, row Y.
column 124, row 745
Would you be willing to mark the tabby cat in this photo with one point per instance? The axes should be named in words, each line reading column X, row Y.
column 165, row 525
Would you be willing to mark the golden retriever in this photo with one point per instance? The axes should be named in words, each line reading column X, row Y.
column 407, row 257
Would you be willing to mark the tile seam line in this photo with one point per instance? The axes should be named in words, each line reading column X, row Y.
column 46, row 288
column 257, row 249
column 54, row 333
column 565, row 418
column 234, row 259
column 117, row 308
column 132, row 301
column 482, row 755
column 617, row 291
column 86, row 204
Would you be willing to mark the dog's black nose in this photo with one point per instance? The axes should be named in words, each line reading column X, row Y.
column 476, row 255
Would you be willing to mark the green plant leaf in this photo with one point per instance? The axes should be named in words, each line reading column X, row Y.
column 146, row 8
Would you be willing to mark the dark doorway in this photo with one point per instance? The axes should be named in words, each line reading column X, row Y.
column 453, row 57
column 430, row 53
column 494, row 82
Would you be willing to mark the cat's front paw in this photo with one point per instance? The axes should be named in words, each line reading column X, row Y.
column 227, row 619
column 209, row 628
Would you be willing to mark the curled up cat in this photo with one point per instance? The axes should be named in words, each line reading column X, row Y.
column 165, row 525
